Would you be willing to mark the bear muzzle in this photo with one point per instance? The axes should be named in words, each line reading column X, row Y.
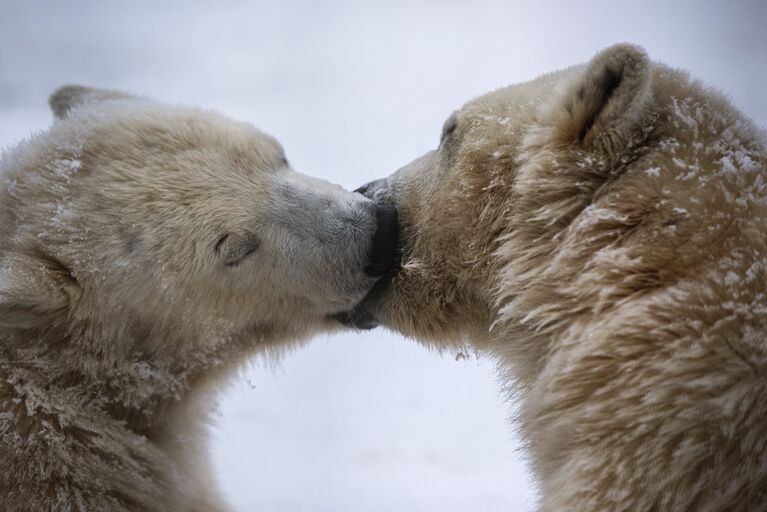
column 384, row 262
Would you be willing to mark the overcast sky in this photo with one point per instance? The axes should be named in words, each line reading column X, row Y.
column 354, row 90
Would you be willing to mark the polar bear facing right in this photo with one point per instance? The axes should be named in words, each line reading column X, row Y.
column 601, row 230
column 146, row 251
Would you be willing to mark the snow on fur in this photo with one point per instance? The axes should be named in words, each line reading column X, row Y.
column 608, row 244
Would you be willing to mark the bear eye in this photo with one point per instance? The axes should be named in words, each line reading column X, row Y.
column 234, row 249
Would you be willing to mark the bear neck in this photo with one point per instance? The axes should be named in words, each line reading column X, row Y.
column 145, row 384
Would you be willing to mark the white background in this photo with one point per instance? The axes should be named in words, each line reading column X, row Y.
column 359, row 422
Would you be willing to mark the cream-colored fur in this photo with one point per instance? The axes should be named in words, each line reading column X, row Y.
column 603, row 231
column 145, row 252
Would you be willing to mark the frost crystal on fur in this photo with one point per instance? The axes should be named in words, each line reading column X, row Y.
column 120, row 311
column 603, row 231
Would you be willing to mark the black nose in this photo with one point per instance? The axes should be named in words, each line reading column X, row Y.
column 383, row 252
column 369, row 188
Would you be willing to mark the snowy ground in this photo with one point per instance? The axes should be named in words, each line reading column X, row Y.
column 369, row 421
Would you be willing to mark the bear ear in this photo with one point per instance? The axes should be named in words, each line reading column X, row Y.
column 36, row 292
column 605, row 104
column 67, row 97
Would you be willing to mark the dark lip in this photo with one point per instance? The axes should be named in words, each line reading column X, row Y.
column 383, row 252
column 360, row 316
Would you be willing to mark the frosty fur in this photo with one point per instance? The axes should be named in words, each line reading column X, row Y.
column 602, row 230
column 145, row 252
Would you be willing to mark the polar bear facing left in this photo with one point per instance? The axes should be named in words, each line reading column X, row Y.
column 146, row 251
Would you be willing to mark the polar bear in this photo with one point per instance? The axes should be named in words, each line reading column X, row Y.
column 602, row 230
column 145, row 251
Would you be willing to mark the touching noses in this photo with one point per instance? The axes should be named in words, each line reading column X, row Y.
column 369, row 189
column 385, row 246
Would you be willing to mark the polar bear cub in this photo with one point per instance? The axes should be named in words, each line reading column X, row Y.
column 146, row 250
column 601, row 230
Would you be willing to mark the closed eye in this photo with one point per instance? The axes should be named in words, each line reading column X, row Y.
column 220, row 242
column 233, row 262
column 234, row 249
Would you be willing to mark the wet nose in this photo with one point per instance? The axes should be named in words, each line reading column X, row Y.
column 368, row 189
column 383, row 251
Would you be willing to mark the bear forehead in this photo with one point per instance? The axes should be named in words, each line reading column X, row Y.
column 142, row 132
column 514, row 103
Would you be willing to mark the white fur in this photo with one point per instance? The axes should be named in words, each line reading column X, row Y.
column 146, row 251
column 602, row 230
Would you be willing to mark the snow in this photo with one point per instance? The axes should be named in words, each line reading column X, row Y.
column 354, row 90
column 404, row 430
column 653, row 171
column 731, row 278
column 5, row 280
